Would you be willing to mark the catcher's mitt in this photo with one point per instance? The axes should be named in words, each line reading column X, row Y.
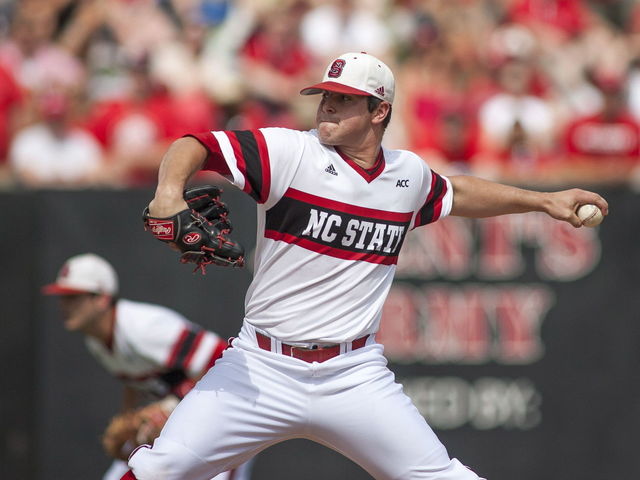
column 129, row 430
column 199, row 232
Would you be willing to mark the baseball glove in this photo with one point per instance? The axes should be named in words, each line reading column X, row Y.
column 129, row 430
column 200, row 232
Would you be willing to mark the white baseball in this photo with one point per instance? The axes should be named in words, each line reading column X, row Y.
column 590, row 215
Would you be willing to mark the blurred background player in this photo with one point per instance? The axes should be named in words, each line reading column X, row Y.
column 155, row 351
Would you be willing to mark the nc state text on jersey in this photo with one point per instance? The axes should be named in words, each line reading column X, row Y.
column 337, row 229
column 374, row 236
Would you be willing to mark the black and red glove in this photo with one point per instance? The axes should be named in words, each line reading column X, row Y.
column 200, row 232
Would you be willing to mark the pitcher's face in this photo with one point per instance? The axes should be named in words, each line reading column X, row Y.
column 342, row 119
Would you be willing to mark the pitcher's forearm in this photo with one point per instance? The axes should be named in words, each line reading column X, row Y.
column 477, row 198
column 182, row 160
column 474, row 197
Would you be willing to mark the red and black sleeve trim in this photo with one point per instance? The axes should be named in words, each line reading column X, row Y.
column 432, row 208
column 215, row 160
column 184, row 349
column 252, row 159
column 246, row 150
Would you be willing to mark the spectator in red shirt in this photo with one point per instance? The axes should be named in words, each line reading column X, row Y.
column 452, row 143
column 137, row 127
column 276, row 62
column 10, row 98
column 441, row 98
column 605, row 146
column 558, row 17
column 517, row 126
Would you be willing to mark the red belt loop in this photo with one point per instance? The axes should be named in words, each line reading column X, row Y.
column 319, row 354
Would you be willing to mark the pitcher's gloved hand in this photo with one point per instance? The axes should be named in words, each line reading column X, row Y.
column 200, row 232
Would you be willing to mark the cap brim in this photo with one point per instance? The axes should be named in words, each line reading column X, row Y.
column 332, row 87
column 55, row 289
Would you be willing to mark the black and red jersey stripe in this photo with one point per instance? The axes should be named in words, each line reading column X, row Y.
column 251, row 158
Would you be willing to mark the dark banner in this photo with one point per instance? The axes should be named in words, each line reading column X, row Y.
column 517, row 337
column 17, row 342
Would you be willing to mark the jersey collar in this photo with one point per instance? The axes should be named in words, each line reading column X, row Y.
column 369, row 174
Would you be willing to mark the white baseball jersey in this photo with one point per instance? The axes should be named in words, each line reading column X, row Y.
column 158, row 351
column 155, row 349
column 329, row 234
column 329, row 231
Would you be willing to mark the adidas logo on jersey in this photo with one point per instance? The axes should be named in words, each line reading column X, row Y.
column 330, row 169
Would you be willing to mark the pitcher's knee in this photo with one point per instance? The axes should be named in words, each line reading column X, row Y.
column 452, row 470
column 169, row 461
column 458, row 471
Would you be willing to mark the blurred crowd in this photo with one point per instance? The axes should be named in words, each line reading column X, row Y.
column 524, row 91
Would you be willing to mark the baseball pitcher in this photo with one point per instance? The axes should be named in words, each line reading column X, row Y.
column 333, row 210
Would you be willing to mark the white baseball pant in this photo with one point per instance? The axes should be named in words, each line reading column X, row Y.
column 255, row 398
